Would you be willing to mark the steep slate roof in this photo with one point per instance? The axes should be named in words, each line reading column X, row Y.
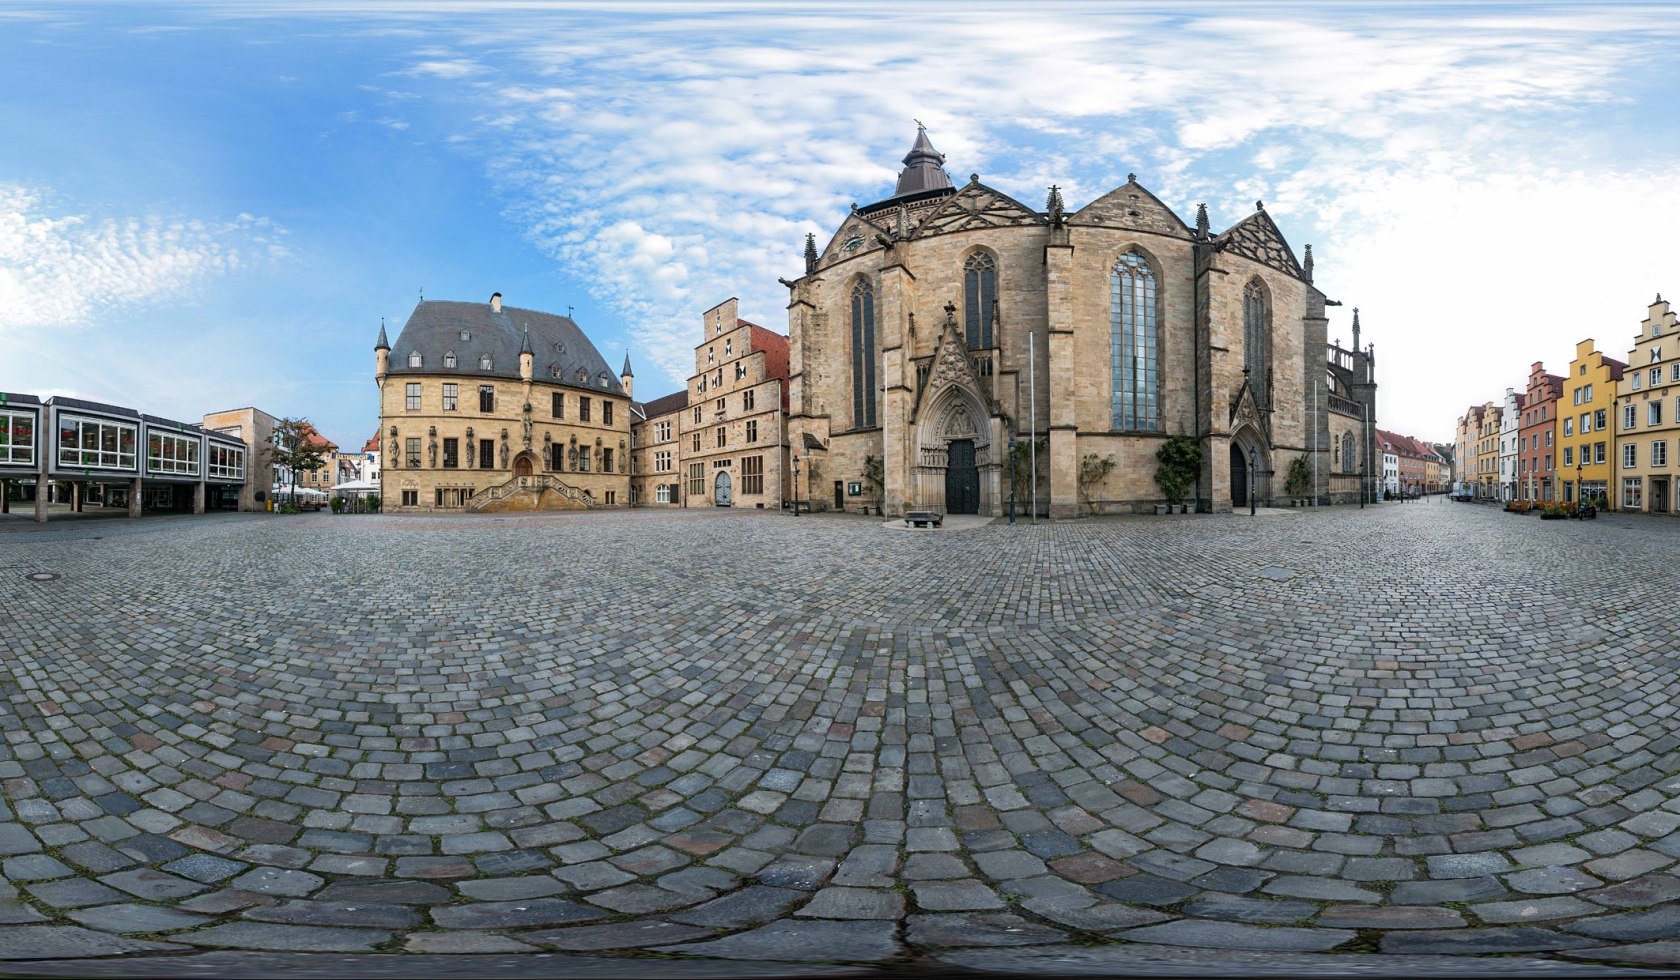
column 924, row 168
column 676, row 401
column 435, row 326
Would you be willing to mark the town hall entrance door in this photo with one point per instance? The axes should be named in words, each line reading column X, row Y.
column 522, row 466
column 722, row 495
column 962, row 479
column 1239, row 477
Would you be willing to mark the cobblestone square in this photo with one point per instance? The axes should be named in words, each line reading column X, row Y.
column 1097, row 741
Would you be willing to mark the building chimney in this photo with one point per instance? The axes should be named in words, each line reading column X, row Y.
column 495, row 302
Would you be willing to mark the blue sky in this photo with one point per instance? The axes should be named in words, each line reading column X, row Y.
column 206, row 205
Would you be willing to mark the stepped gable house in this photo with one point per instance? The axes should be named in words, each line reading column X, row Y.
column 491, row 407
column 908, row 338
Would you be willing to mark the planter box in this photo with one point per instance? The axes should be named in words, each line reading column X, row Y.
column 1163, row 509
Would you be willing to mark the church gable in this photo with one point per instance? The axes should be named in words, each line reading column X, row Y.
column 950, row 368
column 1257, row 237
column 1130, row 206
column 855, row 237
column 976, row 206
column 1246, row 411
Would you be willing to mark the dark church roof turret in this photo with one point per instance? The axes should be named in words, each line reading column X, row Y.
column 383, row 344
column 525, row 342
column 924, row 168
column 626, row 373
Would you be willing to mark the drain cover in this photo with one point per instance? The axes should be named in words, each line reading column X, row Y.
column 42, row 576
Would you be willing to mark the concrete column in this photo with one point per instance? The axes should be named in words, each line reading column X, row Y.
column 76, row 495
column 134, row 498
column 198, row 498
column 41, row 484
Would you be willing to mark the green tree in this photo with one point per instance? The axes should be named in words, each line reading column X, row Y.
column 873, row 478
column 294, row 451
column 1179, row 463
column 1299, row 481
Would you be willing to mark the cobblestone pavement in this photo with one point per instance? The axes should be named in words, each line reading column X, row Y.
column 1433, row 730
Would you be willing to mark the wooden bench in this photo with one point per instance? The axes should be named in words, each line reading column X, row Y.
column 922, row 518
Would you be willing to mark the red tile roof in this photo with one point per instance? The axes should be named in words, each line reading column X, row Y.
column 775, row 348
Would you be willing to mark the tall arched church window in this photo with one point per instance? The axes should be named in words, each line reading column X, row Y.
column 979, row 297
column 1347, row 452
column 1257, row 338
column 1134, row 344
column 413, row 358
column 863, row 354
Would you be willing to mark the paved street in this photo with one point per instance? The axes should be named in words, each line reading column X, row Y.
column 1434, row 730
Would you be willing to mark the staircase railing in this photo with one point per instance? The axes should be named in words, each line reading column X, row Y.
column 536, row 483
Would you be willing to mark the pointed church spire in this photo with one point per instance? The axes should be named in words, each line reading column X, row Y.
column 525, row 344
column 383, row 344
column 1307, row 264
column 1054, row 207
column 810, row 252
column 1356, row 328
column 924, row 167
column 1202, row 230
column 626, row 373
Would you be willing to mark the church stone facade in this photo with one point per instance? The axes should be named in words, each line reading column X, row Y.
column 910, row 335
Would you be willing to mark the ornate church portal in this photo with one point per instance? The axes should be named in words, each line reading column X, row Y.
column 956, row 472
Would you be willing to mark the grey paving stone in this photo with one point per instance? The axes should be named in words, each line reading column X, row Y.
column 749, row 906
column 264, row 935
column 792, row 940
column 1662, row 922
column 1506, row 939
column 854, row 903
column 978, row 929
column 132, row 917
column 634, row 934
column 30, row 942
column 513, row 915
column 1207, row 934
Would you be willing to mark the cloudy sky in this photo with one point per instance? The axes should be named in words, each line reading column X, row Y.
column 207, row 205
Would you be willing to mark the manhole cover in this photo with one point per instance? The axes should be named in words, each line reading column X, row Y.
column 1276, row 574
column 42, row 576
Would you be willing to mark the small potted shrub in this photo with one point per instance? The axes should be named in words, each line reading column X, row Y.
column 1298, row 484
column 1178, row 461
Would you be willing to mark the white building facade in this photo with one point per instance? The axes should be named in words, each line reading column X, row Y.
column 1510, row 425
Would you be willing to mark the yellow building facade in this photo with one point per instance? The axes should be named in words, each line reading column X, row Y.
column 1648, row 416
column 485, row 407
column 1586, row 442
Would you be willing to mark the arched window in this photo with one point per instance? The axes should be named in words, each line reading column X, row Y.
column 1134, row 344
column 979, row 296
column 1257, row 338
column 863, row 354
column 1347, row 452
column 449, row 359
column 413, row 358
column 484, row 362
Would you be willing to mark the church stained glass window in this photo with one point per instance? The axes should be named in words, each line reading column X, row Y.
column 1134, row 344
column 979, row 297
column 863, row 354
column 1257, row 331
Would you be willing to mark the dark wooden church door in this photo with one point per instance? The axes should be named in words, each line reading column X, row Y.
column 962, row 479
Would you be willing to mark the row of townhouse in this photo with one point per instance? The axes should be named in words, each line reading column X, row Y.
column 1605, row 429
column 1411, row 466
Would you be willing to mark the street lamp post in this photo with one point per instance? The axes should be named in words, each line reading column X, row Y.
column 1580, row 498
column 1012, row 479
column 796, row 484
column 1362, row 484
column 1252, row 489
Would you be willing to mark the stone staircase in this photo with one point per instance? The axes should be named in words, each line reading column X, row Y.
column 541, row 491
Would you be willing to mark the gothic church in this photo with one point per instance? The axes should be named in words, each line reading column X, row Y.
column 919, row 334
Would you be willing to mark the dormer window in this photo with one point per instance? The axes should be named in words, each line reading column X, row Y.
column 414, row 358
column 604, row 381
column 466, row 335
column 484, row 362
column 559, row 348
column 449, row 359
column 583, row 377
column 554, row 371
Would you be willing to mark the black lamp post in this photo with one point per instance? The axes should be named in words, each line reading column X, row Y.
column 1362, row 486
column 1012, row 479
column 796, row 484
column 1580, row 498
column 1252, row 489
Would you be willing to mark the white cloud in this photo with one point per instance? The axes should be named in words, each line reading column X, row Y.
column 1463, row 173
column 66, row 269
